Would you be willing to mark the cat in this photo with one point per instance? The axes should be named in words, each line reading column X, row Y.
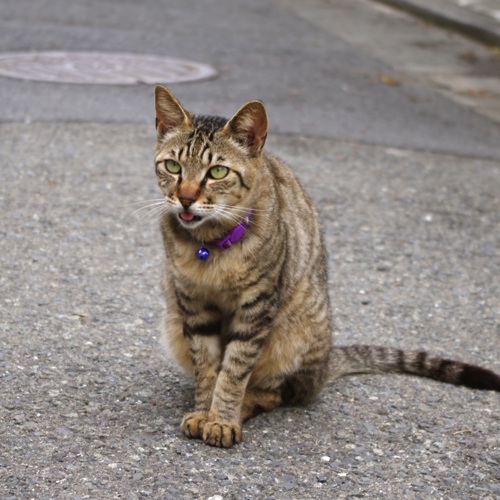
column 245, row 278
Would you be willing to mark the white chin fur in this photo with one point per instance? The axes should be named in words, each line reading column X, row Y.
column 192, row 224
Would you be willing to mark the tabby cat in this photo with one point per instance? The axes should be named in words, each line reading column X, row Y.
column 245, row 277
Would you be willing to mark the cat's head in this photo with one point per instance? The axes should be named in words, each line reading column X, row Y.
column 207, row 166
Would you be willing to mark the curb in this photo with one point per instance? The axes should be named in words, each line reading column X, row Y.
column 442, row 13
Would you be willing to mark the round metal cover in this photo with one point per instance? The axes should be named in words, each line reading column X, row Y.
column 101, row 68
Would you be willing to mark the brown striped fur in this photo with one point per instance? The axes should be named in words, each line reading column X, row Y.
column 252, row 323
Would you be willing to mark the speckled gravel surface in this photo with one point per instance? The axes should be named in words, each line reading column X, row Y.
column 91, row 409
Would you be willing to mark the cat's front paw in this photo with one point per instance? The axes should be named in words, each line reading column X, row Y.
column 221, row 434
column 193, row 424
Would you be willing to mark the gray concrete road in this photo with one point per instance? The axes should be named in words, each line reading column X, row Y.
column 89, row 408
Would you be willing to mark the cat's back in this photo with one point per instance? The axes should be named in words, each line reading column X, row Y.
column 299, row 226
column 294, row 202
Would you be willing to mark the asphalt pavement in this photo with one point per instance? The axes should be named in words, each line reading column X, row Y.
column 405, row 173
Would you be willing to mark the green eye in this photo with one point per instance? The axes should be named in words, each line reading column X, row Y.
column 218, row 172
column 172, row 166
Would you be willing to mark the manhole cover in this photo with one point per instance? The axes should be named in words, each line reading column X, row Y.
column 101, row 68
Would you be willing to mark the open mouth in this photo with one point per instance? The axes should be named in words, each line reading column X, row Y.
column 189, row 217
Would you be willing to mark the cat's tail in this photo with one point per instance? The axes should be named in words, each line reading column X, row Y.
column 353, row 359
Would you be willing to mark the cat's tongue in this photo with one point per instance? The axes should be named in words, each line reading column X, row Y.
column 187, row 215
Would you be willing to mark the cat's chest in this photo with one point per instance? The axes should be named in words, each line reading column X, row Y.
column 221, row 275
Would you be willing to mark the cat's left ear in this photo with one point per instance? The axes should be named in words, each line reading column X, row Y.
column 249, row 126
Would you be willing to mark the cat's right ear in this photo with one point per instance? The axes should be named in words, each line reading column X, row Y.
column 169, row 112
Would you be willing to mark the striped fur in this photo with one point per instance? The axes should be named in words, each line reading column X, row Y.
column 252, row 323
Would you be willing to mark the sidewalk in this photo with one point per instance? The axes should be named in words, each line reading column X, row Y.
column 490, row 8
column 478, row 19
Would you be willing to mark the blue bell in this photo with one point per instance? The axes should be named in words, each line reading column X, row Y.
column 203, row 253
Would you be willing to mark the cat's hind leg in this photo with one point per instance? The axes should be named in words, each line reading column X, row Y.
column 300, row 388
column 259, row 400
column 303, row 386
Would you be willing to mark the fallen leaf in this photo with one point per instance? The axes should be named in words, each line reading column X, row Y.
column 473, row 92
column 469, row 57
column 390, row 80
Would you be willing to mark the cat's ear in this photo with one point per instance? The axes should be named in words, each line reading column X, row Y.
column 169, row 112
column 249, row 126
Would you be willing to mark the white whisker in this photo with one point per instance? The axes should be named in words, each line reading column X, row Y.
column 148, row 208
column 151, row 208
column 235, row 214
column 154, row 212
column 144, row 201
column 242, row 209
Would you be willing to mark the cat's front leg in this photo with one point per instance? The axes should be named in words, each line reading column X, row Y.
column 223, row 425
column 206, row 357
column 245, row 337
column 193, row 424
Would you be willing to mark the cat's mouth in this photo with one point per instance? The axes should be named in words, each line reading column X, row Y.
column 189, row 217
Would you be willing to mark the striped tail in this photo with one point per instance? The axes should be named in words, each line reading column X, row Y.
column 345, row 360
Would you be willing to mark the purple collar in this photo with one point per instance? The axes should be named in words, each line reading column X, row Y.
column 227, row 241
